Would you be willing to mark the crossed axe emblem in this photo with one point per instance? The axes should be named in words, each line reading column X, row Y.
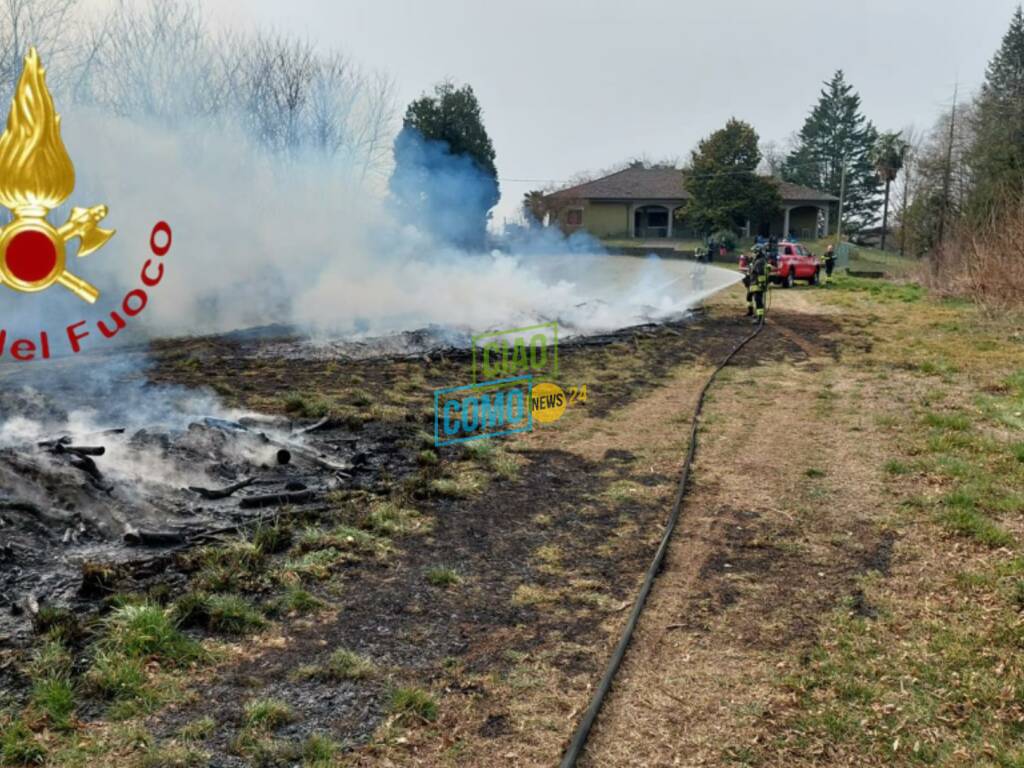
column 33, row 253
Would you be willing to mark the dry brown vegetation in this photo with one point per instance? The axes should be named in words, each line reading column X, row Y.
column 986, row 265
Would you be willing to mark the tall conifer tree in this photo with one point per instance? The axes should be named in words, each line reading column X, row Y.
column 836, row 130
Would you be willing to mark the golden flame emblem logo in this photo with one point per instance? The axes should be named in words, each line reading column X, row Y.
column 36, row 175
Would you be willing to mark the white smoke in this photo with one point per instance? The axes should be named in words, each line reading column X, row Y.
column 262, row 239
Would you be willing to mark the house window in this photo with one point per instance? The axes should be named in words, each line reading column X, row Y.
column 574, row 217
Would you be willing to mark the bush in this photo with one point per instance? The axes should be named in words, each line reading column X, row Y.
column 985, row 263
column 725, row 237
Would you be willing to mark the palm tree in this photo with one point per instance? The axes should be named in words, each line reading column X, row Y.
column 887, row 157
column 535, row 207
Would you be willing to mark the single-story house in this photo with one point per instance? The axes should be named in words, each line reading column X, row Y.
column 642, row 202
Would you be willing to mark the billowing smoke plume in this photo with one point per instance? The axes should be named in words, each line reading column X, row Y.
column 445, row 195
column 276, row 213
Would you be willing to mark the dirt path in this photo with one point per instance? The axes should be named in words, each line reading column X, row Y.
column 775, row 531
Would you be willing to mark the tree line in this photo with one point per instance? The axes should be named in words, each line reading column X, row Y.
column 966, row 174
column 837, row 151
column 961, row 180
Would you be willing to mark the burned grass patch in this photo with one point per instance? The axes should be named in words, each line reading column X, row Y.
column 366, row 564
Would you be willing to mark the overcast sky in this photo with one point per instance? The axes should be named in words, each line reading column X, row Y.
column 569, row 86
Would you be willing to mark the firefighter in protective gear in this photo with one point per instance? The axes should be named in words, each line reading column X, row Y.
column 758, row 272
column 745, row 262
column 830, row 264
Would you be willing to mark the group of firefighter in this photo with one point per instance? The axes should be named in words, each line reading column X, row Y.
column 757, row 272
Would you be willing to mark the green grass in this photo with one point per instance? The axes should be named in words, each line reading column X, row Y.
column 317, row 564
column 304, row 405
column 192, row 609
column 232, row 567
column 934, row 675
column 318, row 553
column 505, row 466
column 134, row 638
column 388, row 518
column 198, row 730
column 233, row 615
column 58, row 623
column 173, row 756
column 319, row 750
column 443, row 576
column 956, row 422
column 492, row 456
column 267, row 714
column 1017, row 449
column 148, row 632
column 465, row 486
column 897, row 467
column 880, row 290
column 114, row 677
column 938, row 367
column 344, row 664
column 623, row 491
column 54, row 696
column 969, row 522
column 360, row 398
column 296, row 600
column 478, row 450
column 271, row 539
column 342, row 538
column 19, row 746
column 411, row 704
column 52, row 658
column 813, row 472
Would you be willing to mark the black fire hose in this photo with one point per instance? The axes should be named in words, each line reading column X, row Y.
column 579, row 738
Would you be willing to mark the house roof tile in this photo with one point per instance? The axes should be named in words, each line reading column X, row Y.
column 663, row 183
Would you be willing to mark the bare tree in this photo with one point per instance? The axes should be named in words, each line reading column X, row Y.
column 941, row 179
column 159, row 60
column 773, row 156
column 152, row 61
column 44, row 24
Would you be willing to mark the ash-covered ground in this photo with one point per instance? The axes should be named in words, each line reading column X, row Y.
column 102, row 467
column 543, row 535
column 109, row 465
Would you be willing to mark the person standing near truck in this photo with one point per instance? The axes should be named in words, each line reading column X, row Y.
column 830, row 263
column 745, row 269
